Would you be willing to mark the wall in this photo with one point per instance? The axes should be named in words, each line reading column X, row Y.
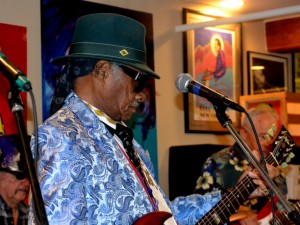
column 257, row 44
column 168, row 63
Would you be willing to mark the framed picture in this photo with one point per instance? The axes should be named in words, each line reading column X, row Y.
column 296, row 67
column 275, row 100
column 266, row 73
column 143, row 123
column 212, row 57
column 285, row 104
column 14, row 46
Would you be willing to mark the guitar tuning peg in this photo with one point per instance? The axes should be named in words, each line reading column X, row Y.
column 291, row 155
column 284, row 165
column 289, row 158
column 271, row 132
column 267, row 137
column 274, row 128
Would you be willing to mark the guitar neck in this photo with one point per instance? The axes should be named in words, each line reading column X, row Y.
column 220, row 213
column 232, row 200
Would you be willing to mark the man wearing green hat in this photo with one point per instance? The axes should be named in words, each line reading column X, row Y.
column 90, row 171
column 14, row 184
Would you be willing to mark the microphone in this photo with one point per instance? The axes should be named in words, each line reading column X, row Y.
column 184, row 83
column 13, row 74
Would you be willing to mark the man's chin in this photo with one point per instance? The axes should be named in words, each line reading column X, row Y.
column 20, row 196
column 128, row 115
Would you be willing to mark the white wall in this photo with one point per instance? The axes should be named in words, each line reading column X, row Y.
column 168, row 63
column 257, row 43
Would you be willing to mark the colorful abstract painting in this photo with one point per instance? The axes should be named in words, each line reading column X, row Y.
column 13, row 44
column 58, row 20
column 212, row 58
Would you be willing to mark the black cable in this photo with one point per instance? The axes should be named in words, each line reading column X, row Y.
column 262, row 159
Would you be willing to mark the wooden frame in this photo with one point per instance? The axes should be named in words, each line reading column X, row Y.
column 200, row 61
column 266, row 73
column 276, row 100
column 286, row 104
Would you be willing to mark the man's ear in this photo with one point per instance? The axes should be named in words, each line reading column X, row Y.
column 102, row 68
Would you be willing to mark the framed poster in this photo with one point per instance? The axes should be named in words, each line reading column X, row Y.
column 276, row 101
column 211, row 57
column 58, row 19
column 266, row 73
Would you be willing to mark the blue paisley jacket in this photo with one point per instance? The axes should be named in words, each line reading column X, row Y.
column 86, row 179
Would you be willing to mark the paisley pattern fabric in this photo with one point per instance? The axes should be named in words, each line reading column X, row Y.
column 86, row 179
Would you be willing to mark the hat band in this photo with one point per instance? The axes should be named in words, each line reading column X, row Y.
column 96, row 50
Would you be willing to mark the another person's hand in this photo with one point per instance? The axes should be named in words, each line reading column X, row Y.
column 262, row 189
column 251, row 220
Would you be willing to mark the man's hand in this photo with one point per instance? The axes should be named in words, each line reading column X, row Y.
column 262, row 190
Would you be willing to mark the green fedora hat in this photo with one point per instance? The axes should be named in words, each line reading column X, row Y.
column 110, row 37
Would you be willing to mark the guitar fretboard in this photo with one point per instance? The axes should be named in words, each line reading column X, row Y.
column 232, row 200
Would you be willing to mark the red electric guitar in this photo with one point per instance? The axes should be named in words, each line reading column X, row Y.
column 232, row 200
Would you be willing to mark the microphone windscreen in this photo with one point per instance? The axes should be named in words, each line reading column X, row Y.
column 182, row 82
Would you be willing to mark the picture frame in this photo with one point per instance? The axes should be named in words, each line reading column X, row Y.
column 276, row 100
column 266, row 73
column 296, row 72
column 143, row 122
column 200, row 61
column 14, row 38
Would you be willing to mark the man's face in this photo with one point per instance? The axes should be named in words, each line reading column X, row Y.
column 259, row 77
column 120, row 95
column 12, row 190
column 217, row 46
column 262, row 123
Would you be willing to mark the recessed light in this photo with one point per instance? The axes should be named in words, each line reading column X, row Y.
column 231, row 4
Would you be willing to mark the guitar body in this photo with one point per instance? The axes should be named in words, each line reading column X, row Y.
column 153, row 218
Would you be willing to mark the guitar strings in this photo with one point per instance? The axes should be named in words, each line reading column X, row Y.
column 230, row 196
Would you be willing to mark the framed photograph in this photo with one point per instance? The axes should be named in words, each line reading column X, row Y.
column 285, row 104
column 296, row 67
column 266, row 73
column 212, row 56
column 276, row 100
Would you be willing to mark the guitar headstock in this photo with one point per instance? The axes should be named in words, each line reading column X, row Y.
column 282, row 145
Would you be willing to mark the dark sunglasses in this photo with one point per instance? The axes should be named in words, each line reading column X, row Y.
column 19, row 175
column 140, row 78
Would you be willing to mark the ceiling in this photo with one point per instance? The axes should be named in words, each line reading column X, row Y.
column 250, row 6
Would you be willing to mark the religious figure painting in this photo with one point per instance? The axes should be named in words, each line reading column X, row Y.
column 213, row 56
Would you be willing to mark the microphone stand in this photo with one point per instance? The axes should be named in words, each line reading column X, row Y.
column 16, row 106
column 220, row 109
